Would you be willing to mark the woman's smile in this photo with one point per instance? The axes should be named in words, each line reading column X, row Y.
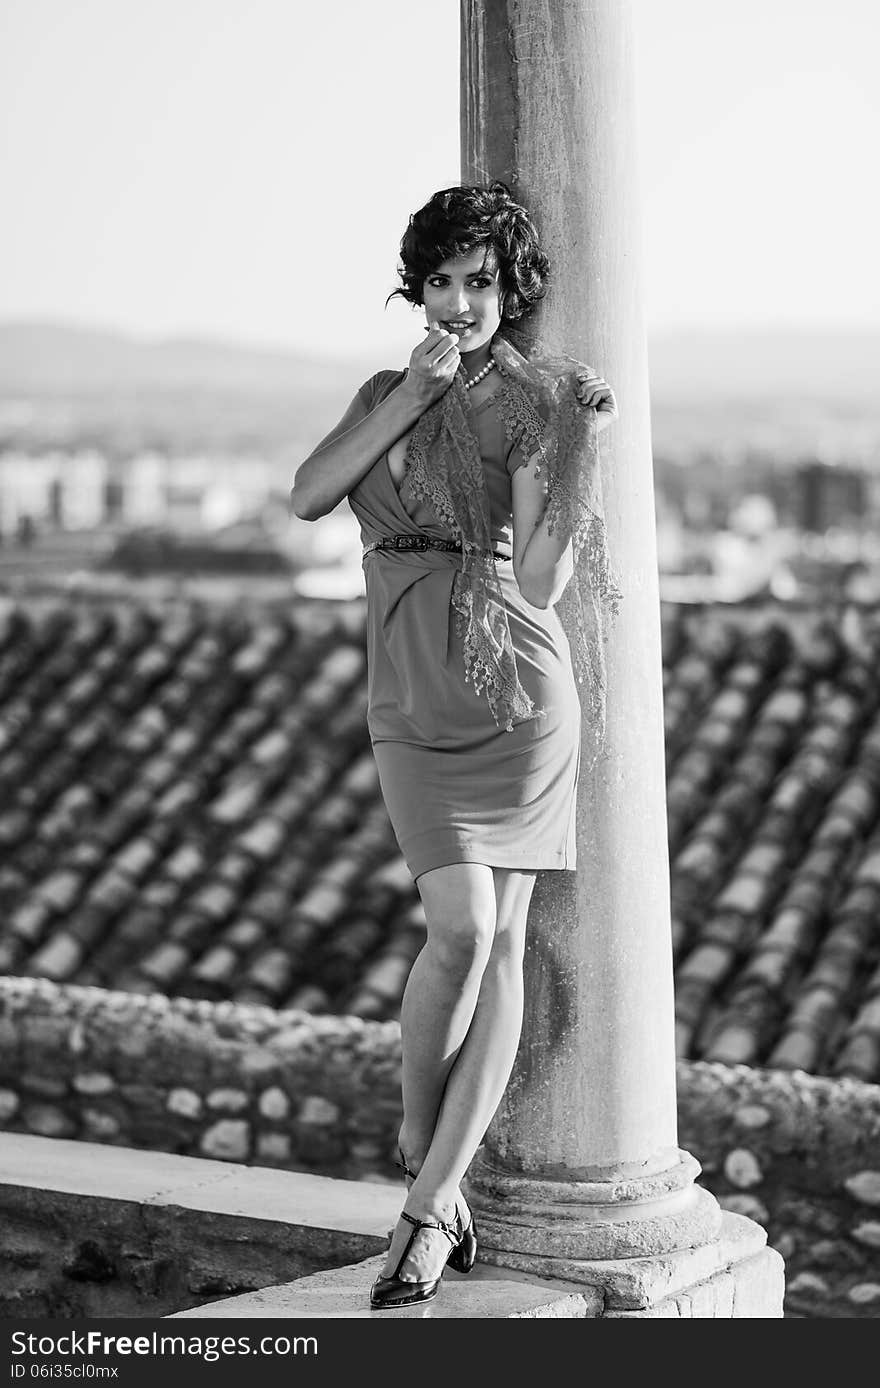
column 463, row 295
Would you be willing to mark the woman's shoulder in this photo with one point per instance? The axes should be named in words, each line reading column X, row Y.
column 380, row 384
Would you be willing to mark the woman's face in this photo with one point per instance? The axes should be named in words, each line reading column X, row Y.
column 464, row 296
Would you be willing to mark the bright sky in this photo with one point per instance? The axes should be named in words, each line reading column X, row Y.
column 245, row 168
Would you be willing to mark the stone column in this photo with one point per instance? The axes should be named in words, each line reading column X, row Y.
column 581, row 1161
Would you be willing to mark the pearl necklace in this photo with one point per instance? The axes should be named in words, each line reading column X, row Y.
column 480, row 374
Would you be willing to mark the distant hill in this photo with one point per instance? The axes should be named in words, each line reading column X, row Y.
column 46, row 358
column 67, row 386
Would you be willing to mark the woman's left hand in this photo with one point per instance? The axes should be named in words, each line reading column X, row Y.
column 595, row 393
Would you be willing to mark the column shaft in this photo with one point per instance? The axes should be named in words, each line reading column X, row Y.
column 548, row 105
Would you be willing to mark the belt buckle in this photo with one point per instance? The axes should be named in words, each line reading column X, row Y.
column 410, row 542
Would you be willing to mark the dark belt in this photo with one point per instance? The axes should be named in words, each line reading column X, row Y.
column 421, row 542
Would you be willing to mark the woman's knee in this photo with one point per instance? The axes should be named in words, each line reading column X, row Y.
column 460, row 911
column 508, row 948
column 513, row 892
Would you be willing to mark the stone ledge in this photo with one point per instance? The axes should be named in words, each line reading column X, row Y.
column 191, row 1183
column 230, row 1215
column 486, row 1293
column 742, row 1284
column 92, row 1230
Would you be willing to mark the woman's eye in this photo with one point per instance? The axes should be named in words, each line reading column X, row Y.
column 482, row 282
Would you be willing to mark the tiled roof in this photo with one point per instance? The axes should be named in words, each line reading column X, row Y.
column 189, row 804
column 244, row 547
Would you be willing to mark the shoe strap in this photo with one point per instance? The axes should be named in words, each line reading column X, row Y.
column 452, row 1231
column 403, row 1165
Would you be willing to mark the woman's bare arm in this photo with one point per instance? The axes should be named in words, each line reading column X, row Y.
column 542, row 563
column 341, row 459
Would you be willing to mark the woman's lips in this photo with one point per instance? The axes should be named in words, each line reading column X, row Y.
column 453, row 327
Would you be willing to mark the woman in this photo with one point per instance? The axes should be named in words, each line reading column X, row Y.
column 473, row 475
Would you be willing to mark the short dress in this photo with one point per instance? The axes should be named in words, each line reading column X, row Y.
column 458, row 788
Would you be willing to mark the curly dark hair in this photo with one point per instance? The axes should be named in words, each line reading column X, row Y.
column 454, row 223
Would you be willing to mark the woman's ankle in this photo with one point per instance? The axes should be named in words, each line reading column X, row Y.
column 411, row 1152
column 431, row 1204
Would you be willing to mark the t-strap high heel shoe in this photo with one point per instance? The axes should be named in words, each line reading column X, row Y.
column 394, row 1290
column 464, row 1255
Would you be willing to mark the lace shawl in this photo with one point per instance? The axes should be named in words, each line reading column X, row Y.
column 538, row 405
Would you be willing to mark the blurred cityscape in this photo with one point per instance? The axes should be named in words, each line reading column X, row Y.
column 172, row 464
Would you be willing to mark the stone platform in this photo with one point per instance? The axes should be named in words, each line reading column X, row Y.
column 735, row 1277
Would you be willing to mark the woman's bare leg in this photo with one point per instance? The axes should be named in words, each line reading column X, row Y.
column 441, row 993
column 476, row 1080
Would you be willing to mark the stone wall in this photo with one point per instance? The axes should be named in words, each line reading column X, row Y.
column 93, row 1232
column 798, row 1153
column 222, row 1080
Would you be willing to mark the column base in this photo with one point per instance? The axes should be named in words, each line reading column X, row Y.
column 527, row 1221
column 734, row 1274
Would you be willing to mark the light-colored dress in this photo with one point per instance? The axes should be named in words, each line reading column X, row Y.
column 457, row 787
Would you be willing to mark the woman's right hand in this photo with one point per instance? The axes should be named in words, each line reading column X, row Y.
column 432, row 366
